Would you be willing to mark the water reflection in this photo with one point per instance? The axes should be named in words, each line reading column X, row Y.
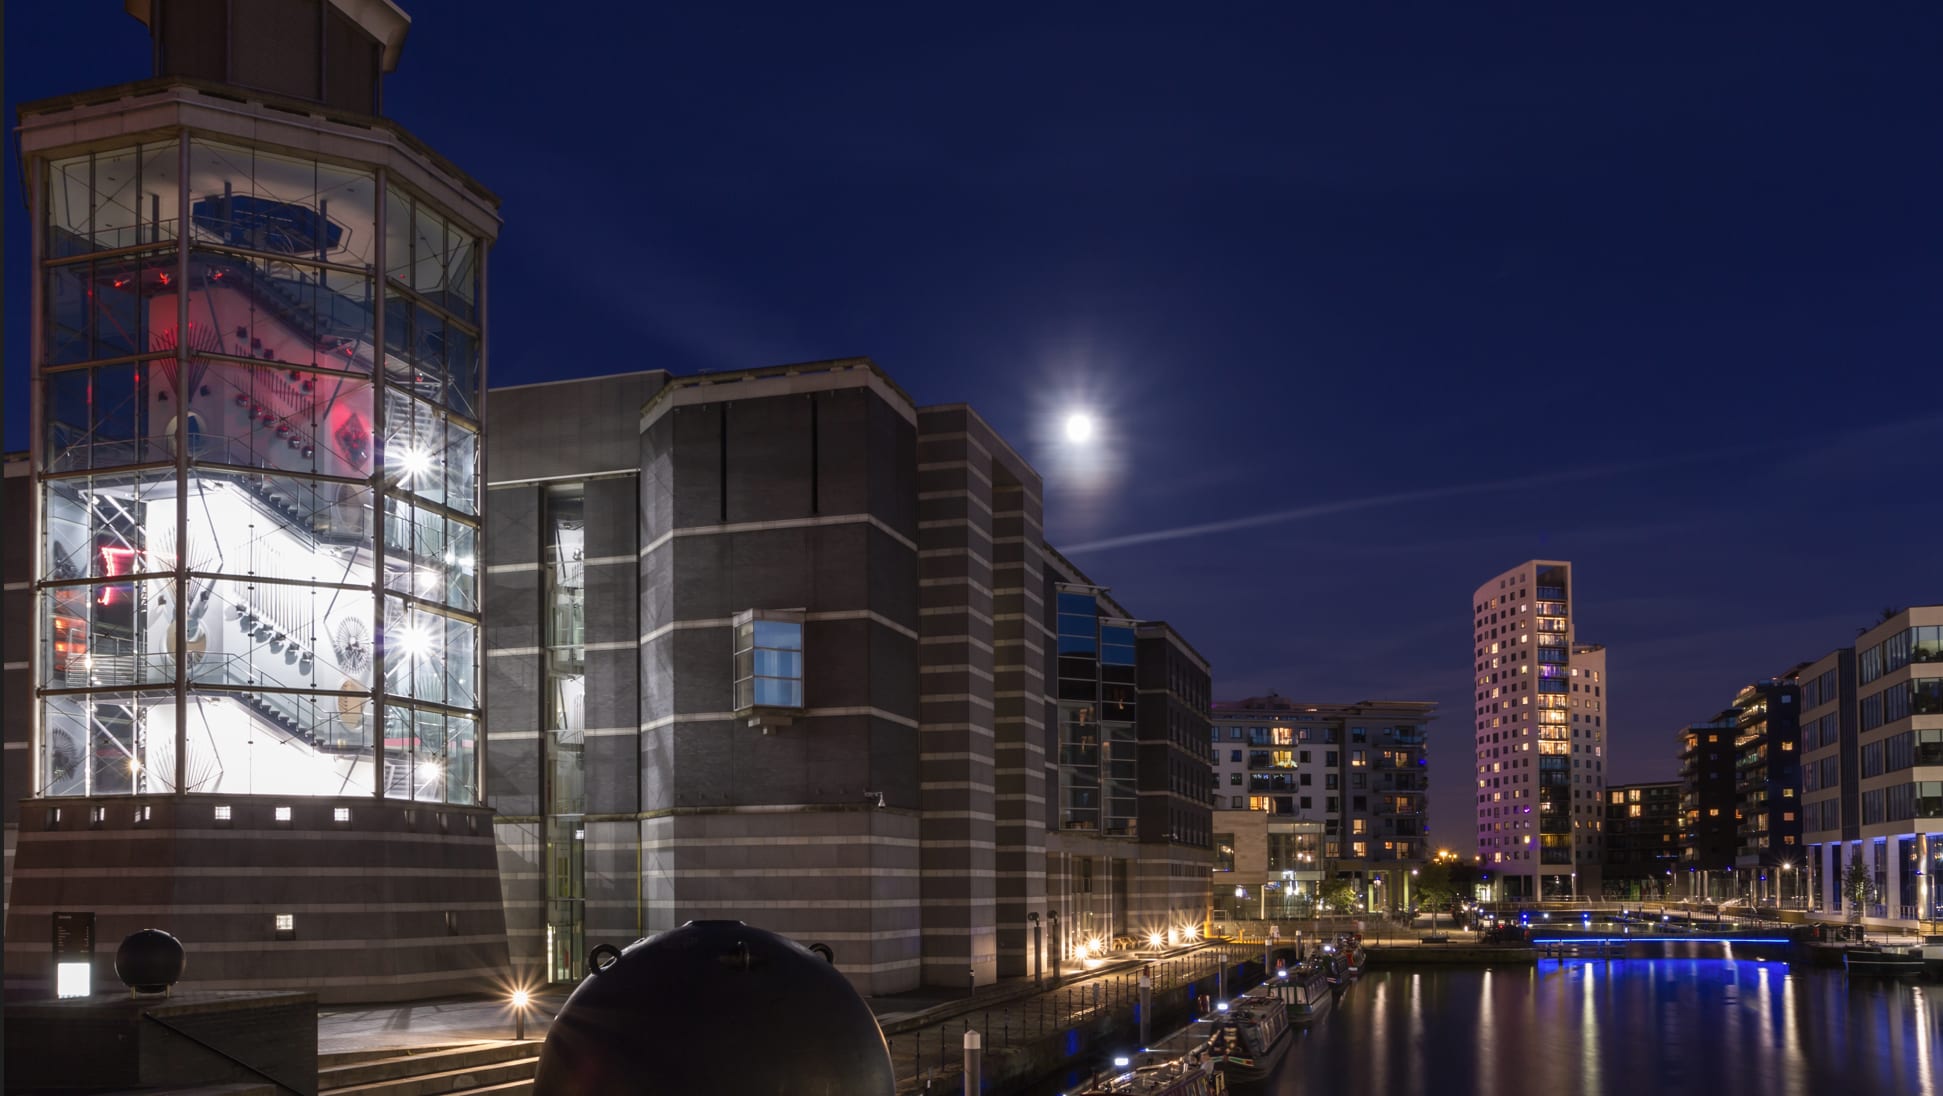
column 1670, row 1027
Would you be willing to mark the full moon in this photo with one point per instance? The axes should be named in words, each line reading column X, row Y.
column 1079, row 426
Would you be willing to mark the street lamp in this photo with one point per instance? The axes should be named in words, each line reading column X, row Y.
column 520, row 1001
column 1038, row 950
column 1058, row 943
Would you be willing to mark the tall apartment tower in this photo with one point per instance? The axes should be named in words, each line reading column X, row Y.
column 1541, row 719
column 258, row 351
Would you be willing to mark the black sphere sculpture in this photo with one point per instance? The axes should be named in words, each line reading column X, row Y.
column 149, row 961
column 714, row 1006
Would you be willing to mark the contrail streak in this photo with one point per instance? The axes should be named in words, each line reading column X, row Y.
column 1398, row 498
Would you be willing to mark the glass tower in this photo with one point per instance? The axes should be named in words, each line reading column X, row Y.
column 257, row 396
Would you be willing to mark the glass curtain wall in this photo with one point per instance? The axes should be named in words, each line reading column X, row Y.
column 211, row 466
column 1079, row 707
column 566, row 730
column 1098, row 693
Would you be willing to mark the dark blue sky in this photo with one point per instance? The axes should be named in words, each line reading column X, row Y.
column 1682, row 268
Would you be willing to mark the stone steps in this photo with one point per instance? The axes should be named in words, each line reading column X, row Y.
column 475, row 1069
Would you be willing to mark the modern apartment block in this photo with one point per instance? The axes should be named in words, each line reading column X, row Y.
column 1542, row 711
column 1741, row 796
column 1831, row 785
column 258, row 351
column 1767, row 788
column 1361, row 770
column 1873, row 772
column 781, row 645
column 1709, row 827
column 1643, row 840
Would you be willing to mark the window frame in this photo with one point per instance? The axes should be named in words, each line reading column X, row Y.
column 746, row 680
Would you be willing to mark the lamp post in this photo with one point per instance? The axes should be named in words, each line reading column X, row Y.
column 520, row 1002
column 1038, row 951
column 1058, row 944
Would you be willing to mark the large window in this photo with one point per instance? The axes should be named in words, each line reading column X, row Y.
column 222, row 513
column 768, row 660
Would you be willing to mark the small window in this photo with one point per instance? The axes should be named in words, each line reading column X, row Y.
column 222, row 812
column 142, row 815
column 286, row 926
column 97, row 816
column 340, row 814
column 768, row 659
column 283, row 814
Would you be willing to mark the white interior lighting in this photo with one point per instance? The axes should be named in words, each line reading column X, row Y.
column 413, row 462
column 415, row 640
column 73, row 979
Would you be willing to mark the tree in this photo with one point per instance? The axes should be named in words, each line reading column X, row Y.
column 1858, row 887
column 1435, row 888
column 1337, row 895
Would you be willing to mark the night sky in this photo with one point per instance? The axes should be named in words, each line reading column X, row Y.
column 1371, row 301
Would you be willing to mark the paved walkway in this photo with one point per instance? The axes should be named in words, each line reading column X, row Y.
column 926, row 1027
column 345, row 1028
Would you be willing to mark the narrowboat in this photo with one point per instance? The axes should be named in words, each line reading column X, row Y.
column 1188, row 1075
column 1307, row 991
column 1882, row 961
column 1254, row 1035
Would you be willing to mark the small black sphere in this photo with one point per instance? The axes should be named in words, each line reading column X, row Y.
column 715, row 1006
column 149, row 961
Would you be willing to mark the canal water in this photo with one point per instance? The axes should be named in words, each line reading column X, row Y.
column 1634, row 1027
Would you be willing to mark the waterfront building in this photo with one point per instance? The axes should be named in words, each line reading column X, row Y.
column 783, row 645
column 1708, row 826
column 1767, row 790
column 1642, row 839
column 1542, row 709
column 1830, row 780
column 1873, row 779
column 1361, row 770
column 1267, row 867
column 258, row 351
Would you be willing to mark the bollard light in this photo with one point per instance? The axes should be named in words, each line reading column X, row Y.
column 520, row 1000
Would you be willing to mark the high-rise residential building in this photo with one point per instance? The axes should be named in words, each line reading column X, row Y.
column 1541, row 715
column 1709, row 826
column 782, row 645
column 1643, row 840
column 1361, row 770
column 1767, row 788
column 258, row 347
column 1872, row 735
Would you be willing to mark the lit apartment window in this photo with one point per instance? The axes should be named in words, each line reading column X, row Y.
column 222, row 812
column 286, row 926
column 340, row 814
column 768, row 659
column 282, row 814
